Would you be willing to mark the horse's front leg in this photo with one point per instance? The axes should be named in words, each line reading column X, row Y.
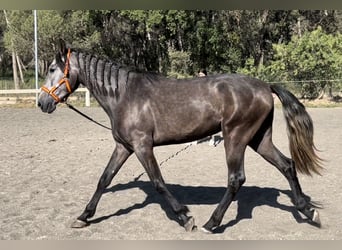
column 118, row 158
column 144, row 153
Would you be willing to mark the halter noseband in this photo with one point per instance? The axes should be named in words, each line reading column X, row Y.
column 65, row 80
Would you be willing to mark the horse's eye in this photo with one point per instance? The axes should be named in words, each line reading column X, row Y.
column 52, row 68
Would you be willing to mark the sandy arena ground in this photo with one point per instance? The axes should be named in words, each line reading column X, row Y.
column 50, row 166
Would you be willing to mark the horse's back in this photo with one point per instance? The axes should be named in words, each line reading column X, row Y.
column 245, row 100
column 244, row 90
column 184, row 110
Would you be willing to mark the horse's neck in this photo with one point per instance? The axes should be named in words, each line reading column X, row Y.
column 101, row 78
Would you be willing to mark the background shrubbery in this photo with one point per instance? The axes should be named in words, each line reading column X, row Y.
column 300, row 48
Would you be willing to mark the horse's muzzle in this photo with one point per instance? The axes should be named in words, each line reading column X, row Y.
column 47, row 104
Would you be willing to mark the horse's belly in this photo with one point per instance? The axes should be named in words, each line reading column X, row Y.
column 186, row 124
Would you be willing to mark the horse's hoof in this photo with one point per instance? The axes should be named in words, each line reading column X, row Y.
column 190, row 225
column 316, row 218
column 79, row 224
column 206, row 230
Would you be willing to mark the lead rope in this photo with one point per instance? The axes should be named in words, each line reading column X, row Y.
column 169, row 158
column 84, row 115
column 92, row 120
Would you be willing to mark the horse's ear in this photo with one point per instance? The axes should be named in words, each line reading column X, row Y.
column 62, row 50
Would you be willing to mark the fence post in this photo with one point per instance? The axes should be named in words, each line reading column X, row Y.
column 87, row 98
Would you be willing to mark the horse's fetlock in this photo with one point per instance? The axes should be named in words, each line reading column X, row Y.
column 301, row 204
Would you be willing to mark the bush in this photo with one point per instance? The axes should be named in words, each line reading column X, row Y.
column 312, row 60
column 181, row 64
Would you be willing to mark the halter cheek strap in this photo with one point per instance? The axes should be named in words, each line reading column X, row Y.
column 64, row 80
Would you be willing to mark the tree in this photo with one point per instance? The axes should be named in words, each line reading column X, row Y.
column 16, row 40
column 136, row 37
column 3, row 56
column 174, row 42
column 75, row 27
column 315, row 56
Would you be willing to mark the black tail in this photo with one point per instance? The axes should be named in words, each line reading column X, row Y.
column 300, row 132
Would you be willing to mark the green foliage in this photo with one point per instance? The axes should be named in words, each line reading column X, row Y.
column 180, row 64
column 310, row 60
column 51, row 28
column 270, row 44
column 19, row 32
column 72, row 26
column 315, row 56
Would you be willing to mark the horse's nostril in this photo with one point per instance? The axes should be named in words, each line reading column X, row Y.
column 39, row 104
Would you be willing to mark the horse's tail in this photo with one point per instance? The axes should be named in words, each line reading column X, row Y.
column 300, row 132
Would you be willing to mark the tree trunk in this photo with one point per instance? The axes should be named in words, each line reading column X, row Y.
column 15, row 70
column 14, row 57
column 299, row 28
column 20, row 69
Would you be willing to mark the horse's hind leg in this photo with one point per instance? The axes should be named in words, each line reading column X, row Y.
column 118, row 158
column 262, row 143
column 144, row 152
column 235, row 149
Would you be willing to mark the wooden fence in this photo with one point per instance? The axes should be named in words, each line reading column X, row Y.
column 9, row 92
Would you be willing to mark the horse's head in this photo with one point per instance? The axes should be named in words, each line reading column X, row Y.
column 60, row 81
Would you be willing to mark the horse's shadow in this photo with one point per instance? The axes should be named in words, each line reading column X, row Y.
column 247, row 199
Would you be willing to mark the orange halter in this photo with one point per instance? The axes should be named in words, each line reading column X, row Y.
column 65, row 80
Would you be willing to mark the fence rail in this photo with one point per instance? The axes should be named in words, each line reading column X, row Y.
column 37, row 91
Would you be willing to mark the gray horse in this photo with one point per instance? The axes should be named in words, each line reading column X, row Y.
column 147, row 110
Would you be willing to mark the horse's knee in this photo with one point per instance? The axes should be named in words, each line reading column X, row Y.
column 159, row 186
column 236, row 180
